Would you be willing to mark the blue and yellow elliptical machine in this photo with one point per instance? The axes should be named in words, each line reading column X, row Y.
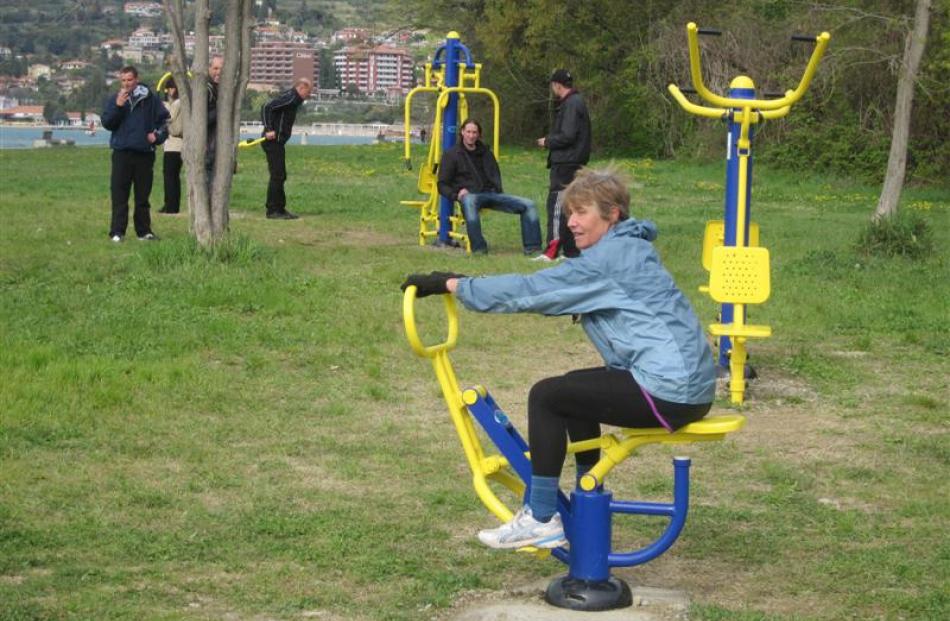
column 588, row 512
column 738, row 267
column 450, row 76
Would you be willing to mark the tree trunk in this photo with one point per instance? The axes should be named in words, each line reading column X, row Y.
column 897, row 159
column 208, row 202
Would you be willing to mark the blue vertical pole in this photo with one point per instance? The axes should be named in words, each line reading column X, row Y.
column 741, row 88
column 590, row 535
column 450, row 120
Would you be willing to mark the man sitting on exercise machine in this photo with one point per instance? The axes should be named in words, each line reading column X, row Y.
column 469, row 174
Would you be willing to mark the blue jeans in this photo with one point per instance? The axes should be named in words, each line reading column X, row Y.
column 530, row 224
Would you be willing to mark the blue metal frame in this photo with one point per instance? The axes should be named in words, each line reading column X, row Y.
column 587, row 516
column 730, row 209
column 451, row 52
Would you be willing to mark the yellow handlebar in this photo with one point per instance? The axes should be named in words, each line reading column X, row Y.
column 692, row 32
column 163, row 79
column 406, row 121
column 412, row 333
column 713, row 113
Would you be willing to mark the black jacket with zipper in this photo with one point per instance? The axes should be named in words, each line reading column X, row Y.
column 476, row 171
column 569, row 140
column 278, row 114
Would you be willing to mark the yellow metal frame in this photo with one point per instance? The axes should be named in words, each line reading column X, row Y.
column 739, row 276
column 744, row 112
column 469, row 84
column 616, row 446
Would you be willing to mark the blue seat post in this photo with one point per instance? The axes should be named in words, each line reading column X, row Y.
column 590, row 535
column 588, row 584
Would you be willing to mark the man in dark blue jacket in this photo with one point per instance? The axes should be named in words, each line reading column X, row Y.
column 278, row 116
column 137, row 120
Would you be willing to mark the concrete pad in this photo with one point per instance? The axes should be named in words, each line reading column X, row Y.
column 527, row 604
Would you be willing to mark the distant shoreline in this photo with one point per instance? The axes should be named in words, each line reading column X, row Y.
column 46, row 126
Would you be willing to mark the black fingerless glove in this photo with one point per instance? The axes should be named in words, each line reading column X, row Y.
column 429, row 284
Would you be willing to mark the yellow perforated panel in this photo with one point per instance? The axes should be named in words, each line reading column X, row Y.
column 739, row 275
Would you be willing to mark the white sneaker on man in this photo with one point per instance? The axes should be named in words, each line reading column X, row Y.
column 523, row 530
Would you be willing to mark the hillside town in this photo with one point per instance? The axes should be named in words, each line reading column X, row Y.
column 351, row 63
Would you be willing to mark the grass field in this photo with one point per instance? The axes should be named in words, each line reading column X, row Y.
column 250, row 437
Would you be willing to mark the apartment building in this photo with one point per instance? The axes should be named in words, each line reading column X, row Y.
column 279, row 63
column 375, row 69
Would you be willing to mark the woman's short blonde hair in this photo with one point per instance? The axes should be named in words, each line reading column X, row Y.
column 600, row 187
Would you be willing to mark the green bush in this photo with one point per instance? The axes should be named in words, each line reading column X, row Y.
column 905, row 234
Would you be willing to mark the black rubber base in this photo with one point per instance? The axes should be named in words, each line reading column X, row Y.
column 567, row 592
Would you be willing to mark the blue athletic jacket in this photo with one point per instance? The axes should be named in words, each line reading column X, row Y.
column 130, row 124
column 630, row 309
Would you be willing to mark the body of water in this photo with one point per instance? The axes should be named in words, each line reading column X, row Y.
column 23, row 137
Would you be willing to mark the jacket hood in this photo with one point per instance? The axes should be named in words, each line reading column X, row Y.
column 643, row 229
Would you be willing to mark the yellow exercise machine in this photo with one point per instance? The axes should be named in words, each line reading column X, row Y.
column 450, row 78
column 738, row 267
column 587, row 514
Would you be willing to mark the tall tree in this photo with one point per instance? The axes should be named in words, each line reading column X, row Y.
column 914, row 44
column 208, row 198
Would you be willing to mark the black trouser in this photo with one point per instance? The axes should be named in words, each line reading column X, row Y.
column 561, row 175
column 576, row 403
column 276, row 165
column 128, row 168
column 171, row 170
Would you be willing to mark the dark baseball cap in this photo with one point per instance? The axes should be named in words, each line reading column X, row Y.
column 562, row 76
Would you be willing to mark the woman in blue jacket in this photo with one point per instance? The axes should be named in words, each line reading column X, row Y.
column 658, row 368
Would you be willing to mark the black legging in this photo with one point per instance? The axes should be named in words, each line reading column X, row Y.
column 576, row 403
column 171, row 172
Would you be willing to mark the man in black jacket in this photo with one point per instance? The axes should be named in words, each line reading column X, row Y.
column 278, row 116
column 568, row 146
column 469, row 174
column 137, row 119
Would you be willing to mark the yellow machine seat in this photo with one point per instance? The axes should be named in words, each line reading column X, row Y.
column 712, row 425
column 618, row 446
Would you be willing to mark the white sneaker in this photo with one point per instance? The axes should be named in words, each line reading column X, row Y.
column 543, row 258
column 116, row 238
column 523, row 530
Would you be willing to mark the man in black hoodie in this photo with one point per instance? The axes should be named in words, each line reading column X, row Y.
column 469, row 174
column 568, row 146
column 278, row 116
